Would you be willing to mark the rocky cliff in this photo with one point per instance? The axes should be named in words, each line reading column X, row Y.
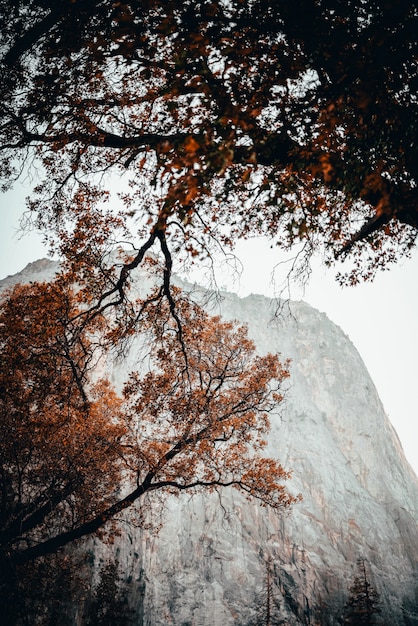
column 222, row 560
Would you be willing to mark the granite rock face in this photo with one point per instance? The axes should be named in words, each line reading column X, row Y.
column 214, row 557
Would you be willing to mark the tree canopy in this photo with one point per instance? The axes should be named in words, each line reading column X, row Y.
column 222, row 120
column 75, row 452
column 172, row 127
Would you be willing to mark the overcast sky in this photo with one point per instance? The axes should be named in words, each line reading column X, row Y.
column 379, row 318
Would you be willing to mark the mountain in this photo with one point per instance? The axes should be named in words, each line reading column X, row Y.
column 222, row 560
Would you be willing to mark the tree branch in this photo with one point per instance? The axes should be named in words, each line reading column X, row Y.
column 31, row 36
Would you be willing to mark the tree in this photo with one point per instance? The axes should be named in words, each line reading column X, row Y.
column 74, row 453
column 268, row 607
column 363, row 603
column 46, row 592
column 226, row 120
column 109, row 606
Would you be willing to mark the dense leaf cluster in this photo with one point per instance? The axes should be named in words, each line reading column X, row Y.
column 74, row 452
column 225, row 120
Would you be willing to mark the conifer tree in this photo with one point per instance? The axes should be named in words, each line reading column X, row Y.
column 110, row 605
column 268, row 605
column 364, row 601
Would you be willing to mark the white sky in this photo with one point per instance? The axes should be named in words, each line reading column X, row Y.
column 380, row 318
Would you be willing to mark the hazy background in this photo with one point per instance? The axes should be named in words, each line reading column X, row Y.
column 380, row 318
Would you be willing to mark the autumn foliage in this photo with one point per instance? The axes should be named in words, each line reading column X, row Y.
column 70, row 445
column 173, row 128
column 59, row 437
column 220, row 120
column 168, row 130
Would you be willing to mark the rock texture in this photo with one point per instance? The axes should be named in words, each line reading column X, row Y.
column 215, row 557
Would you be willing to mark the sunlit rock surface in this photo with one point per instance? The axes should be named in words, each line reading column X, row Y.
column 213, row 557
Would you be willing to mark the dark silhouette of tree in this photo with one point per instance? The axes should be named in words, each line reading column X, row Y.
column 46, row 592
column 268, row 607
column 109, row 606
column 298, row 121
column 363, row 603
